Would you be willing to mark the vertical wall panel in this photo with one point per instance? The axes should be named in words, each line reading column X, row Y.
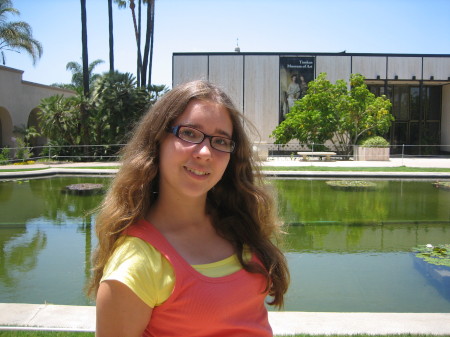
column 189, row 68
column 404, row 67
column 369, row 66
column 445, row 119
column 227, row 71
column 261, row 87
column 336, row 67
column 438, row 67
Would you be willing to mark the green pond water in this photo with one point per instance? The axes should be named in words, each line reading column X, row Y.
column 347, row 250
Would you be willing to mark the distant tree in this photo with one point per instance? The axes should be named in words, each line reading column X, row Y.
column 59, row 119
column 331, row 112
column 77, row 73
column 117, row 104
column 16, row 35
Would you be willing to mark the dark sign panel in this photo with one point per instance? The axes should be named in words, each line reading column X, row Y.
column 295, row 73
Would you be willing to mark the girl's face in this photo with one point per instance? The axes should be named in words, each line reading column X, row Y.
column 190, row 170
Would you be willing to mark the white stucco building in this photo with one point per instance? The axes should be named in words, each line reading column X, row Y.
column 19, row 101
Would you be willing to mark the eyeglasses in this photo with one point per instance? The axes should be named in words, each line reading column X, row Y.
column 192, row 135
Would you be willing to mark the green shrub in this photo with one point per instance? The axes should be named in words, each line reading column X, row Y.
column 375, row 141
column 4, row 156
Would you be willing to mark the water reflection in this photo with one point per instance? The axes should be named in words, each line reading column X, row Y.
column 19, row 253
column 347, row 251
column 45, row 232
column 312, row 201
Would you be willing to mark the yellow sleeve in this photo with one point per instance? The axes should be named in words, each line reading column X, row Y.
column 142, row 268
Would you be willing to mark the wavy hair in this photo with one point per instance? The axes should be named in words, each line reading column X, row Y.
column 242, row 210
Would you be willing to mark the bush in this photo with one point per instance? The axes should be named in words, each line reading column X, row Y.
column 4, row 156
column 375, row 141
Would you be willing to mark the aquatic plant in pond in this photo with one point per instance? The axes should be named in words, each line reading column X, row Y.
column 445, row 185
column 351, row 185
column 438, row 255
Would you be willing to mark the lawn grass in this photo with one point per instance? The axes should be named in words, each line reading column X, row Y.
column 355, row 169
column 91, row 334
column 280, row 168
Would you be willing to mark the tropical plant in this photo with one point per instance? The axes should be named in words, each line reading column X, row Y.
column 331, row 112
column 116, row 105
column 59, row 119
column 16, row 36
column 77, row 73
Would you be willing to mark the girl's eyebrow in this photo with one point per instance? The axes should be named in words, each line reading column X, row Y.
column 199, row 127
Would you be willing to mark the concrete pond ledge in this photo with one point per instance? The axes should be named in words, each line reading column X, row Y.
column 17, row 316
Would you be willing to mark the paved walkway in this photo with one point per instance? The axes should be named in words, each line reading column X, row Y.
column 80, row 168
column 15, row 316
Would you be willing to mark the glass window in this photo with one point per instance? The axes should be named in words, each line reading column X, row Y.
column 400, row 104
column 435, row 98
column 400, row 134
column 414, row 103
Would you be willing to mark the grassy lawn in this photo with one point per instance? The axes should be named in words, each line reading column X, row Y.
column 280, row 168
column 89, row 334
column 355, row 169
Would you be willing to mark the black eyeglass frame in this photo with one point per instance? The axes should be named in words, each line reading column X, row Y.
column 175, row 130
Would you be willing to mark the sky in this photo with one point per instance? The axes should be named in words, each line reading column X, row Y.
column 291, row 26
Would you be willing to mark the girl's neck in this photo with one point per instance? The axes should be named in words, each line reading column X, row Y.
column 173, row 214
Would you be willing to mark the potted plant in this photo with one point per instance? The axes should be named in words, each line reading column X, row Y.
column 372, row 148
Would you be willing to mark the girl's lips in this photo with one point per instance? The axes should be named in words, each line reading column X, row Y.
column 196, row 172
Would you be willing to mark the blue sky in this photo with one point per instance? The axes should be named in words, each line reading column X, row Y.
column 358, row 26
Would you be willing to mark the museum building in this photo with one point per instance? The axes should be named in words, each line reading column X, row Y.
column 265, row 85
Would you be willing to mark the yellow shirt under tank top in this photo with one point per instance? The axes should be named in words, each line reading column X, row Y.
column 142, row 268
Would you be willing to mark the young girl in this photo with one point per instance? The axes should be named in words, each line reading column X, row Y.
column 186, row 230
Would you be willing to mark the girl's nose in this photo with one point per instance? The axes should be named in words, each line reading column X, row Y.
column 204, row 148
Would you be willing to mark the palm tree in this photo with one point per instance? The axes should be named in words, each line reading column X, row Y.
column 17, row 35
column 84, row 113
column 142, row 65
column 111, row 36
column 77, row 73
column 148, row 50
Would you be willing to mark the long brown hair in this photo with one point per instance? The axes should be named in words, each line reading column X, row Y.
column 243, row 211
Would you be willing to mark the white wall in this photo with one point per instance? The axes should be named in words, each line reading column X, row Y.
column 445, row 121
column 18, row 99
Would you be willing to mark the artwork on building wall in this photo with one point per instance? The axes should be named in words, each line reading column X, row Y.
column 295, row 73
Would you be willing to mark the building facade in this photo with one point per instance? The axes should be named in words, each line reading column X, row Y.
column 265, row 85
column 19, row 101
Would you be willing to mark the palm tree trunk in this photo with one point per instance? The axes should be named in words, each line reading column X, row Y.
column 136, row 32
column 111, row 37
column 147, row 43
column 151, row 43
column 83, row 109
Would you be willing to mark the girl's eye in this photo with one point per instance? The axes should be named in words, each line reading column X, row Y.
column 187, row 133
column 221, row 141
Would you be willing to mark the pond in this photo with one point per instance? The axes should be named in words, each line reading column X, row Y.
column 347, row 250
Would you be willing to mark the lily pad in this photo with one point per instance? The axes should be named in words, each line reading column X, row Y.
column 444, row 185
column 351, row 185
column 84, row 189
column 438, row 255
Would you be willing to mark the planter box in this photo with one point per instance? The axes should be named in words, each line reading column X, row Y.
column 371, row 153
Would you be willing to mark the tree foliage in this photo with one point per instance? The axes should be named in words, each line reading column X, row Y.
column 114, row 106
column 16, row 35
column 117, row 103
column 332, row 112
